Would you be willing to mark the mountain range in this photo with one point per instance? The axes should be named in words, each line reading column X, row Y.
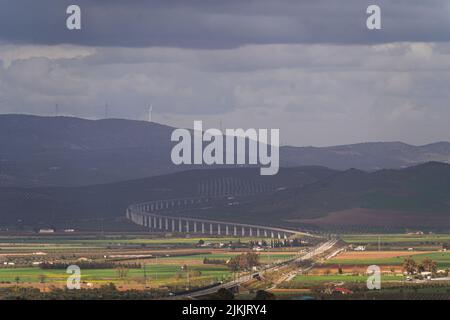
column 70, row 171
column 304, row 197
column 67, row 151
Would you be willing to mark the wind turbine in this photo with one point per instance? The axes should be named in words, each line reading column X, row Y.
column 150, row 110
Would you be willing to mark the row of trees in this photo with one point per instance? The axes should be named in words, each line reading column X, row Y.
column 214, row 261
column 244, row 261
column 278, row 243
column 107, row 292
column 412, row 267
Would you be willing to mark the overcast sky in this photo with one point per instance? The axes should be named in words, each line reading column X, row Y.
column 310, row 68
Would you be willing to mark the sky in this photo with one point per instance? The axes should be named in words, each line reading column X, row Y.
column 309, row 68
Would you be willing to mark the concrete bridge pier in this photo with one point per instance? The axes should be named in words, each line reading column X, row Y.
column 142, row 214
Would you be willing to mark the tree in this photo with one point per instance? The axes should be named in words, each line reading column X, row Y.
column 224, row 294
column 122, row 272
column 264, row 295
column 429, row 265
column 410, row 266
column 243, row 261
column 233, row 265
column 42, row 278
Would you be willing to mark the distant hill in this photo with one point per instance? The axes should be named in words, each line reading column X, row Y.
column 417, row 196
column 66, row 151
column 367, row 156
column 70, row 151
column 50, row 205
column 311, row 197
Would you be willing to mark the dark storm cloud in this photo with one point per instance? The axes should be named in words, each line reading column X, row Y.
column 221, row 24
column 310, row 68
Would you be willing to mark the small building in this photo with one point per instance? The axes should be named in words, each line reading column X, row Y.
column 39, row 253
column 84, row 259
column 46, row 231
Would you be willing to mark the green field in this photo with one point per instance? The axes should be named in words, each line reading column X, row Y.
column 396, row 238
column 162, row 271
column 156, row 273
column 340, row 278
column 312, row 281
column 442, row 259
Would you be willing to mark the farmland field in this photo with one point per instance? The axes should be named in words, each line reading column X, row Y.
column 156, row 274
column 149, row 261
column 340, row 278
column 399, row 242
column 389, row 258
column 143, row 262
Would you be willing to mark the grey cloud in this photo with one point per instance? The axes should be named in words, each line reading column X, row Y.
column 316, row 94
column 221, row 24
